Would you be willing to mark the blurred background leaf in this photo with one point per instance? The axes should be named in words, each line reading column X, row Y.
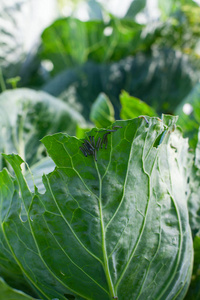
column 102, row 112
column 161, row 79
column 26, row 116
column 167, row 8
column 70, row 42
column 189, row 115
column 135, row 7
column 133, row 107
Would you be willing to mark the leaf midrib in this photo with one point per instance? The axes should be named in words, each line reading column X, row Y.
column 104, row 250
column 144, row 219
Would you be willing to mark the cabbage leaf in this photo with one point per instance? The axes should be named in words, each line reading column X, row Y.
column 114, row 227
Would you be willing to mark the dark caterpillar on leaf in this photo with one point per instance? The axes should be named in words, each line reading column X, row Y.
column 89, row 147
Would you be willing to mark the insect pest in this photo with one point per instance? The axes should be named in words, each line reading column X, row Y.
column 83, row 150
column 89, row 147
column 143, row 117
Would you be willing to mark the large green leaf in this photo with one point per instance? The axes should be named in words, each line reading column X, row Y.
column 70, row 42
column 115, row 227
column 161, row 79
column 9, row 269
column 26, row 116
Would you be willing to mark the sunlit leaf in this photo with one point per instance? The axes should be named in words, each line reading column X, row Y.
column 133, row 107
column 189, row 115
column 109, row 225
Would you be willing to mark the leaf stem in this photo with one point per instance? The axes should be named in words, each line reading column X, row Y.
column 105, row 256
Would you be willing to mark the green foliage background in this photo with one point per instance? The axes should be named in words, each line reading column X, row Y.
column 84, row 73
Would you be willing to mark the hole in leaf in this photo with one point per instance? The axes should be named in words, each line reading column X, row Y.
column 159, row 139
column 69, row 296
column 173, row 147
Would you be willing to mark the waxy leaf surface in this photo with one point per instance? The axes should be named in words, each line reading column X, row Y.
column 115, row 228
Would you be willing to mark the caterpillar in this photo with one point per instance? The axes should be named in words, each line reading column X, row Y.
column 89, row 147
column 143, row 117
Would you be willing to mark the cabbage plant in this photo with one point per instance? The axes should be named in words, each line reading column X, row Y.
column 112, row 222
